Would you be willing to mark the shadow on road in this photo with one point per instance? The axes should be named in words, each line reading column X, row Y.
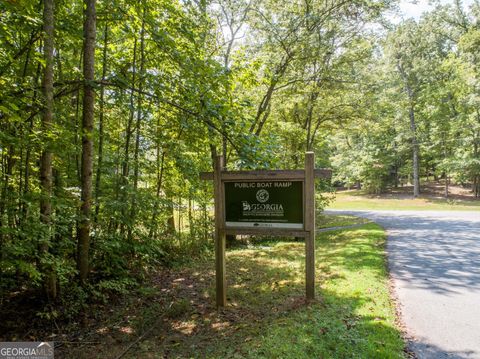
column 428, row 351
column 433, row 258
column 441, row 256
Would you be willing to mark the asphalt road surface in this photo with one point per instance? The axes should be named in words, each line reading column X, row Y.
column 434, row 260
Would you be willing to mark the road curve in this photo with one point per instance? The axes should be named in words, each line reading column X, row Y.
column 434, row 261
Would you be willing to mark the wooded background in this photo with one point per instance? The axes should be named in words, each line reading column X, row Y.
column 110, row 109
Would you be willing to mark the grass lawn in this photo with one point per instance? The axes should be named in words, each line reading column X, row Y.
column 334, row 220
column 357, row 200
column 266, row 317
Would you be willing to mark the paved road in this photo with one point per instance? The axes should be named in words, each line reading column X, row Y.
column 434, row 260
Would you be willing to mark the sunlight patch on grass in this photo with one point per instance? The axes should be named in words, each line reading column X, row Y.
column 353, row 316
column 330, row 220
column 267, row 316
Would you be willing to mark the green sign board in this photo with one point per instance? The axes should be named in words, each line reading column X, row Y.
column 275, row 204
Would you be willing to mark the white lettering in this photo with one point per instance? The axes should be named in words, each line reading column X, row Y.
column 282, row 184
column 265, row 207
column 244, row 185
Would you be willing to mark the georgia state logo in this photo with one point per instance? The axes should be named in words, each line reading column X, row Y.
column 262, row 196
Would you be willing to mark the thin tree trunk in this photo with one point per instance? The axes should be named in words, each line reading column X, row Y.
column 112, row 223
column 171, row 221
column 205, row 221
column 415, row 147
column 447, row 180
column 46, row 157
column 6, row 189
column 2, row 240
column 310, row 135
column 445, row 155
column 179, row 208
column 128, row 130
column 77, row 121
column 416, row 164
column 26, row 184
column 23, row 136
column 476, row 142
column 98, row 177
column 476, row 186
column 396, row 176
column 128, row 134
column 413, row 128
column 190, row 215
column 160, row 167
column 138, row 126
column 171, row 215
column 263, row 110
column 89, row 29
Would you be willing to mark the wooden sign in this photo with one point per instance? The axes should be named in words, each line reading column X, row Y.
column 269, row 203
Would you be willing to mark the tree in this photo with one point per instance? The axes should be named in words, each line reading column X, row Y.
column 46, row 158
column 89, row 31
column 404, row 48
column 262, row 80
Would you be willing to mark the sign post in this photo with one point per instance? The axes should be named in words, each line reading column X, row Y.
column 280, row 202
column 220, row 268
column 310, row 225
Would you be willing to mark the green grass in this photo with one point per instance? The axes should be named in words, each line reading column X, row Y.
column 357, row 200
column 329, row 220
column 266, row 316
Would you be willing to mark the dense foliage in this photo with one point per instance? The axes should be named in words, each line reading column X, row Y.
column 422, row 119
column 178, row 82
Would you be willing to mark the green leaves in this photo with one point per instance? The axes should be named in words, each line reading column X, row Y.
column 264, row 80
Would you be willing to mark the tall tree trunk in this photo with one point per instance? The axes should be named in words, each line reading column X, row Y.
column 171, row 215
column 128, row 135
column 5, row 197
column 160, row 167
column 89, row 29
column 77, row 118
column 308, row 123
column 26, row 183
column 476, row 177
column 445, row 155
column 98, row 177
column 396, row 179
column 413, row 129
column 23, row 136
column 263, row 110
column 179, row 206
column 476, row 153
column 128, row 130
column 46, row 157
column 205, row 221
column 447, row 182
column 2, row 203
column 160, row 161
column 138, row 126
column 190, row 214
column 415, row 149
column 476, row 186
